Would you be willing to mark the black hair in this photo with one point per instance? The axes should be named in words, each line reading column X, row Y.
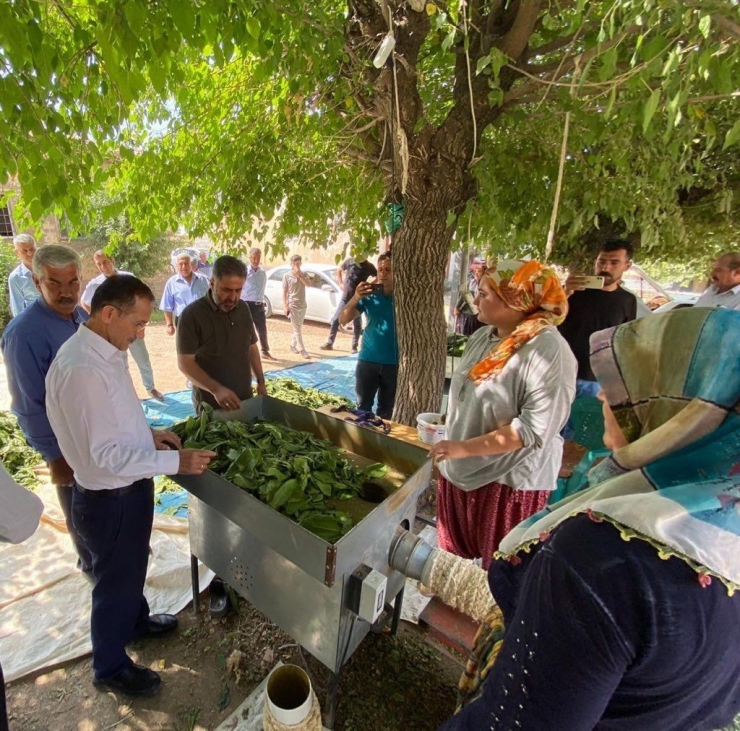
column 229, row 266
column 385, row 256
column 121, row 291
column 617, row 245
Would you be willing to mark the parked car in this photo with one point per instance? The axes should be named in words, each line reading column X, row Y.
column 322, row 294
column 651, row 296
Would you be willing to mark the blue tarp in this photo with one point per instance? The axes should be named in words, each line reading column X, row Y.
column 335, row 375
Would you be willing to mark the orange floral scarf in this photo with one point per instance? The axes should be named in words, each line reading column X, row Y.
column 526, row 286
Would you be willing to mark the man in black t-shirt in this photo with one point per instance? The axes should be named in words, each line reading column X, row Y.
column 591, row 310
column 349, row 274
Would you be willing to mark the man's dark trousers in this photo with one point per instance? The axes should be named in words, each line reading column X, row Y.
column 260, row 323
column 372, row 379
column 334, row 329
column 116, row 526
column 84, row 560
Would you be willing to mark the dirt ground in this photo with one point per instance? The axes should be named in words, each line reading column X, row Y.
column 198, row 691
column 168, row 378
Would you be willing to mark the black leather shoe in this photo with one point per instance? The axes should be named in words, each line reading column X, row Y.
column 218, row 598
column 132, row 680
column 157, row 626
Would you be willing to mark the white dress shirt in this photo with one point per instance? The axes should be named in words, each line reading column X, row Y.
column 254, row 285
column 93, row 285
column 713, row 298
column 20, row 510
column 97, row 418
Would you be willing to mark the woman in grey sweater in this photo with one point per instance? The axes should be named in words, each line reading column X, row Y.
column 509, row 398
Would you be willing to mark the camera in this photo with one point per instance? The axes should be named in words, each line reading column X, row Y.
column 377, row 288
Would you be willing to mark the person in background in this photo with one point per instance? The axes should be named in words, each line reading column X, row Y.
column 20, row 512
column 22, row 288
column 29, row 345
column 618, row 606
column 294, row 303
column 253, row 294
column 377, row 365
column 349, row 275
column 181, row 289
column 591, row 310
column 509, row 398
column 217, row 352
column 103, row 434
column 107, row 267
column 203, row 265
column 724, row 291
column 466, row 320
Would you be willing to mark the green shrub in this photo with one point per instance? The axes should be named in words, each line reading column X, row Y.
column 8, row 262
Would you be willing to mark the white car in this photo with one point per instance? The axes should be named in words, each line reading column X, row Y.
column 322, row 296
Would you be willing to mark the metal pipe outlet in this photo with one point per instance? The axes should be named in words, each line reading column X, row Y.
column 412, row 556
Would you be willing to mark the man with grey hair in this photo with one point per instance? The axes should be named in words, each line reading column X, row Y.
column 253, row 293
column 29, row 345
column 181, row 289
column 22, row 289
column 724, row 291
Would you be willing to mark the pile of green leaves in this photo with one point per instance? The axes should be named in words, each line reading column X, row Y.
column 292, row 471
column 19, row 459
column 456, row 345
column 288, row 389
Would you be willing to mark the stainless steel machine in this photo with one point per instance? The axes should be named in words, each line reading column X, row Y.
column 324, row 596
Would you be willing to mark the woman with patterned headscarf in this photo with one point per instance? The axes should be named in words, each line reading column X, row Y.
column 509, row 398
column 618, row 607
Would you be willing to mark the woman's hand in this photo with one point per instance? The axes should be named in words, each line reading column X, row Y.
column 447, row 449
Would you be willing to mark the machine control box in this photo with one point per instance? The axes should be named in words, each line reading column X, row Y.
column 366, row 593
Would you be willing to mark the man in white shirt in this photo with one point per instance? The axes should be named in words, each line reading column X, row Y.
column 107, row 267
column 253, row 293
column 114, row 455
column 724, row 291
column 22, row 288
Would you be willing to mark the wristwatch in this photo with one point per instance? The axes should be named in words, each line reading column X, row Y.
column 260, row 380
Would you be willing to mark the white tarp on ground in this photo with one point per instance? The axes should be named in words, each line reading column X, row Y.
column 45, row 600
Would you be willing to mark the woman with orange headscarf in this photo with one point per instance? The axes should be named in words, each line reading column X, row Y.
column 509, row 398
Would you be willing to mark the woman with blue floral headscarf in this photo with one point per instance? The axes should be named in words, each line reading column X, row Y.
column 618, row 607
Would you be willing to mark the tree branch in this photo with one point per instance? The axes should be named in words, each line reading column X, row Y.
column 727, row 25
column 516, row 40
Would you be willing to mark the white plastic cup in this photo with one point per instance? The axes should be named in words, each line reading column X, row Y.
column 430, row 428
column 289, row 695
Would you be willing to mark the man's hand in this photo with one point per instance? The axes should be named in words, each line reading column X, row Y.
column 164, row 439
column 574, row 283
column 447, row 449
column 171, row 328
column 226, row 398
column 363, row 290
column 61, row 473
column 194, row 461
column 261, row 389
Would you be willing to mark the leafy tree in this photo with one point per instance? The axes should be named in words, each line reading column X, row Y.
column 111, row 230
column 211, row 114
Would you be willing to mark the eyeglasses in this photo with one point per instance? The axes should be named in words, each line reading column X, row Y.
column 138, row 325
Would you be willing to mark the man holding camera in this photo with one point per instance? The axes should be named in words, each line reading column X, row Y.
column 593, row 306
column 377, row 365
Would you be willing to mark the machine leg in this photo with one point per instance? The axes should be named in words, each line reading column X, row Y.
column 330, row 706
column 195, row 581
column 397, row 611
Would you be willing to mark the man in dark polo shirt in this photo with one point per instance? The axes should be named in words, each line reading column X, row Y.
column 217, row 351
column 216, row 342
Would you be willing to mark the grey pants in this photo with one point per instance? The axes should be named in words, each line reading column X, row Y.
column 141, row 357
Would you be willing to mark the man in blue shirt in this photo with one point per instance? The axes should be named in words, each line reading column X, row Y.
column 183, row 288
column 29, row 345
column 377, row 365
column 22, row 288
column 253, row 293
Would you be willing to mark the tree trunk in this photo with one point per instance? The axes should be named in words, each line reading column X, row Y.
column 420, row 252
